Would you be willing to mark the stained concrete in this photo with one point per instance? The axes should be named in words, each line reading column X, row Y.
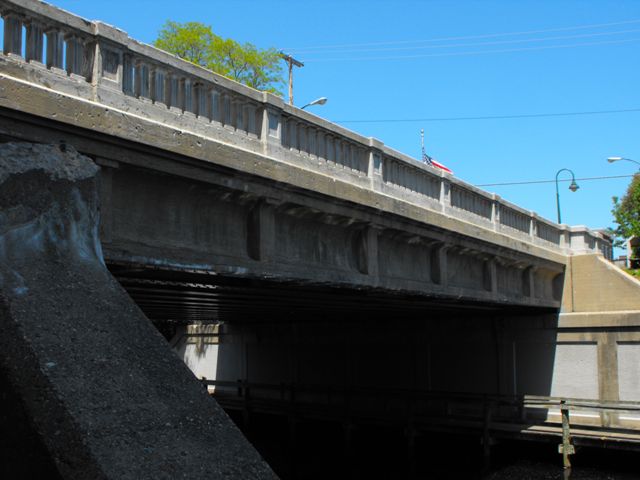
column 99, row 384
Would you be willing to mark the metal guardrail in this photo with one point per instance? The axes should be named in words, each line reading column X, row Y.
column 94, row 61
column 333, row 394
column 489, row 414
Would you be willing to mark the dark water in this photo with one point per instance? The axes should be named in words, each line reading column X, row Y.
column 318, row 451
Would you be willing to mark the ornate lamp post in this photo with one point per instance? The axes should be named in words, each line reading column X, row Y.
column 573, row 187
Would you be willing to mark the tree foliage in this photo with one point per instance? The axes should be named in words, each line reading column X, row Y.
column 626, row 213
column 194, row 41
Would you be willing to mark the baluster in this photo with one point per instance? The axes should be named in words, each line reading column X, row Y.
column 180, row 93
column 142, row 80
column 55, row 49
column 312, row 134
column 292, row 134
column 321, row 145
column 158, row 85
column 252, row 124
column 331, row 151
column 170, row 89
column 339, row 152
column 127, row 75
column 233, row 112
column 216, row 113
column 73, row 55
column 189, row 104
column 35, row 42
column 153, row 83
column 174, row 92
column 86, row 60
column 302, row 138
column 203, row 94
column 12, row 34
column 240, row 115
column 167, row 94
column 226, row 109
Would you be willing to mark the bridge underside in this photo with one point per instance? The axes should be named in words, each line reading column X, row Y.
column 182, row 297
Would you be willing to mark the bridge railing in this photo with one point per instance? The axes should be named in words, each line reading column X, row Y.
column 60, row 51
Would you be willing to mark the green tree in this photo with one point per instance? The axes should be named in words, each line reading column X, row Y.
column 245, row 63
column 626, row 213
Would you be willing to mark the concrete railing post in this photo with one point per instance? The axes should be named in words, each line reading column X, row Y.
column 533, row 227
column 375, row 164
column 445, row 194
column 495, row 212
column 271, row 123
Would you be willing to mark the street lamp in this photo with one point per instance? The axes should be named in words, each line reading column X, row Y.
column 573, row 187
column 617, row 159
column 317, row 101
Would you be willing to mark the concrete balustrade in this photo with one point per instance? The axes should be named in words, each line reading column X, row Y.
column 100, row 63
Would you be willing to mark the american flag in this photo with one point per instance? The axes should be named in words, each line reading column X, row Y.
column 431, row 161
column 434, row 163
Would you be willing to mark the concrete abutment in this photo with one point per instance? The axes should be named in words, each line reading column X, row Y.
column 99, row 385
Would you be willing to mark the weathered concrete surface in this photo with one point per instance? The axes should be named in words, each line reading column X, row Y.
column 597, row 285
column 99, row 383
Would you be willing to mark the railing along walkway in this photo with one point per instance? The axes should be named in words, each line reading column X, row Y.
column 490, row 416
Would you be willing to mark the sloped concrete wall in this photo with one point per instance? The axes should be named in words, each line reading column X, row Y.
column 100, row 385
column 593, row 284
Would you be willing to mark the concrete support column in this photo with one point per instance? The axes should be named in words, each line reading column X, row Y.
column 106, row 192
column 490, row 276
column 439, row 264
column 608, row 385
column 366, row 251
column 261, row 232
column 528, row 282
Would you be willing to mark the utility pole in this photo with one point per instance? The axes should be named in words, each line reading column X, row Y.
column 291, row 62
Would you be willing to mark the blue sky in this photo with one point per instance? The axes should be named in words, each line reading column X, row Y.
column 402, row 60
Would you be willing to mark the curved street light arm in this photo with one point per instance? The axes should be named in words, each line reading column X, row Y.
column 573, row 187
column 617, row 159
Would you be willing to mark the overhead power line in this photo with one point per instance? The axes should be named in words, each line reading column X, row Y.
column 483, row 44
column 465, row 37
column 531, row 182
column 472, row 52
column 490, row 117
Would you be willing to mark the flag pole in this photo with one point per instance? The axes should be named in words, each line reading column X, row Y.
column 422, row 142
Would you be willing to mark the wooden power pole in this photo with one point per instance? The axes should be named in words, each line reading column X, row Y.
column 291, row 62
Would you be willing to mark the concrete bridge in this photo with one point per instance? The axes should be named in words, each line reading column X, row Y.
column 274, row 246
